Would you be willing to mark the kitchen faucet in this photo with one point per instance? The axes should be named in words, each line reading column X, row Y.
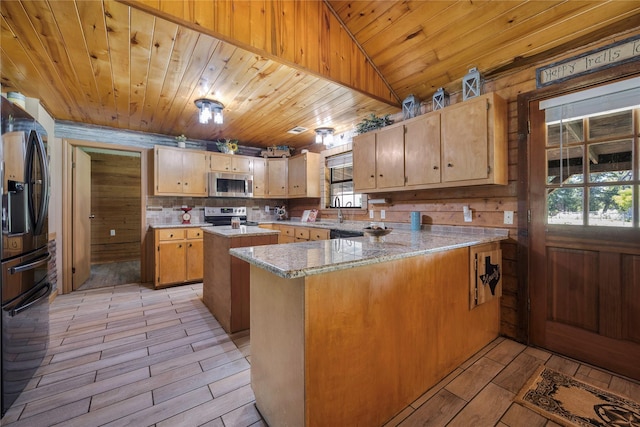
column 336, row 203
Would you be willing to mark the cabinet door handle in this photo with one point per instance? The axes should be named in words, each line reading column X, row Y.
column 170, row 235
column 180, row 245
column 380, row 175
column 190, row 245
column 449, row 165
column 435, row 168
column 178, row 182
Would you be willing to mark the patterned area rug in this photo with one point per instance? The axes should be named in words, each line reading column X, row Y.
column 570, row 402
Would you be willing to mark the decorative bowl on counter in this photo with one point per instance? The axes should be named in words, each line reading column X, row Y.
column 376, row 233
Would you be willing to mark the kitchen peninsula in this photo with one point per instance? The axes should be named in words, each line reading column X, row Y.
column 351, row 331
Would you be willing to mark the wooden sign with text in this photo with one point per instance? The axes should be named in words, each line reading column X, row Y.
column 615, row 54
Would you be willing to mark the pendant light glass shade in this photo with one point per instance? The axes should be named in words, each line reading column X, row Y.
column 208, row 109
column 324, row 135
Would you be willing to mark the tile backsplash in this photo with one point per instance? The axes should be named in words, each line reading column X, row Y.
column 167, row 210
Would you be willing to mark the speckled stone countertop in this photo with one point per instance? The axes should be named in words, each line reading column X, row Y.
column 300, row 259
column 180, row 225
column 244, row 230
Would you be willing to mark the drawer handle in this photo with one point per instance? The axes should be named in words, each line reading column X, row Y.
column 435, row 168
column 171, row 235
column 372, row 176
column 449, row 165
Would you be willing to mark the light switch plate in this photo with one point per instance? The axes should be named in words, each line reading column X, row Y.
column 112, row 233
column 370, row 213
column 508, row 217
column 266, row 208
column 383, row 214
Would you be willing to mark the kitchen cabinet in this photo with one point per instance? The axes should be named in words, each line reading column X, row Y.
column 277, row 177
column 231, row 163
column 295, row 233
column 303, row 176
column 378, row 159
column 178, row 256
column 259, row 177
column 463, row 144
column 474, row 141
column 179, row 172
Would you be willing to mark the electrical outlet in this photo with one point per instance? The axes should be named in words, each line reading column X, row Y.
column 468, row 214
column 370, row 213
column 266, row 208
column 382, row 214
column 508, row 217
column 112, row 232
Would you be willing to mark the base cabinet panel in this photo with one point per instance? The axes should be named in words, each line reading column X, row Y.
column 178, row 256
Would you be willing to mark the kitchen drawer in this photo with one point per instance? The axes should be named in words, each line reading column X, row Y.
column 194, row 233
column 171, row 234
column 319, row 234
column 302, row 233
column 287, row 231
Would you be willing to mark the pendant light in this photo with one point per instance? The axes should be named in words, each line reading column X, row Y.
column 208, row 109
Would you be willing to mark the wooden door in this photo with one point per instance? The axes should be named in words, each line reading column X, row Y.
column 220, row 162
column 195, row 260
column 241, row 164
column 259, row 177
column 296, row 181
column 277, row 179
column 464, row 141
column 194, row 173
column 81, row 213
column 364, row 162
column 171, row 262
column 168, row 171
column 422, row 150
column 390, row 157
column 584, row 277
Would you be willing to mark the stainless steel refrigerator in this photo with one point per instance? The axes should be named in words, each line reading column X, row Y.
column 25, row 282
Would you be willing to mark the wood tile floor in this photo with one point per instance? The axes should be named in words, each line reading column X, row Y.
column 112, row 274
column 133, row 356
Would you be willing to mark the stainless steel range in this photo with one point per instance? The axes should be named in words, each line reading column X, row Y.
column 223, row 216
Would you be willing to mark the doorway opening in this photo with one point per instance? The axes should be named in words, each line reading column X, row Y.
column 103, row 217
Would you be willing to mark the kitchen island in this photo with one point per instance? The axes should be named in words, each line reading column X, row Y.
column 351, row 331
column 225, row 286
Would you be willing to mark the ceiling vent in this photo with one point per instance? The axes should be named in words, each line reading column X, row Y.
column 297, row 130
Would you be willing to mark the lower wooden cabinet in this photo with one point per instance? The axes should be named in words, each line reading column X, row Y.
column 178, row 256
column 294, row 233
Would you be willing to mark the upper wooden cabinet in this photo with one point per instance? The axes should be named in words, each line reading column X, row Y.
column 259, row 177
column 474, row 141
column 277, row 177
column 303, row 178
column 231, row 163
column 178, row 171
column 463, row 144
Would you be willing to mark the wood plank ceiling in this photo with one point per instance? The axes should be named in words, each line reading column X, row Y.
column 274, row 64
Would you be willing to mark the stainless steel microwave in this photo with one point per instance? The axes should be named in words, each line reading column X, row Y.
column 230, row 185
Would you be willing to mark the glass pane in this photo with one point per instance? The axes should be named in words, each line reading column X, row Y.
column 611, row 206
column 611, row 161
column 571, row 171
column 342, row 195
column 572, row 131
column 564, row 206
column 342, row 173
column 609, row 125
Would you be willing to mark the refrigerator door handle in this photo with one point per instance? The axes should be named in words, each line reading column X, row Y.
column 31, row 264
column 31, row 299
column 36, row 148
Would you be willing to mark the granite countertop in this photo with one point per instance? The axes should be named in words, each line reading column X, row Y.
column 180, row 225
column 244, row 230
column 300, row 259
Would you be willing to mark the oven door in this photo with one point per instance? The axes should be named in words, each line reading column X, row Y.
column 230, row 185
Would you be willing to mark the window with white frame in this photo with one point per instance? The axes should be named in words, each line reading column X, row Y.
column 341, row 193
column 592, row 146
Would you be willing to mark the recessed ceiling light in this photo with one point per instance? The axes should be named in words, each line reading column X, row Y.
column 297, row 130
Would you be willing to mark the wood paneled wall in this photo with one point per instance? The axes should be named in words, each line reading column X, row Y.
column 116, row 204
column 488, row 203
